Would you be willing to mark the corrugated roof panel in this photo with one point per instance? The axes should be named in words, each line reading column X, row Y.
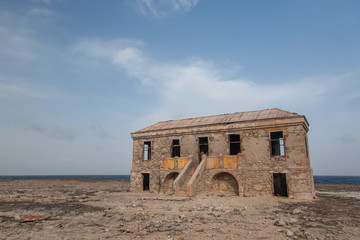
column 217, row 119
column 246, row 116
column 263, row 114
column 210, row 120
column 220, row 118
column 184, row 123
column 198, row 121
column 224, row 118
column 236, row 117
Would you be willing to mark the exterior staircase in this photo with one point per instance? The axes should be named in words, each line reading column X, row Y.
column 182, row 190
column 187, row 181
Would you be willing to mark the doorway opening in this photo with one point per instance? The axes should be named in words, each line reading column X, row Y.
column 146, row 181
column 280, row 186
column 168, row 182
column 225, row 183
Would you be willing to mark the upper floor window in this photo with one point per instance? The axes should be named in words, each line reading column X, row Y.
column 147, row 150
column 203, row 146
column 277, row 143
column 234, row 144
column 175, row 152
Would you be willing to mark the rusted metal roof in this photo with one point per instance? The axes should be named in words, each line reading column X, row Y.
column 220, row 119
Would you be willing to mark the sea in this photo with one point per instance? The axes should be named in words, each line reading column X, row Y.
column 355, row 180
column 106, row 177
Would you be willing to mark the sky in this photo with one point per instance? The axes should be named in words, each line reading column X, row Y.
column 77, row 77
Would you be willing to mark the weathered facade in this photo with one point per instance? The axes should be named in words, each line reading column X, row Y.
column 246, row 154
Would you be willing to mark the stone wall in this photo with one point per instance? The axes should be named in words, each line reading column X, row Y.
column 255, row 167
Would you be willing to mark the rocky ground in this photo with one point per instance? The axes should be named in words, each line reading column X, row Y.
column 100, row 209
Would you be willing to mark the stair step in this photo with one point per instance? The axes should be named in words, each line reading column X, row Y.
column 182, row 191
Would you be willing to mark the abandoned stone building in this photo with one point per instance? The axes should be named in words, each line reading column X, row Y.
column 257, row 153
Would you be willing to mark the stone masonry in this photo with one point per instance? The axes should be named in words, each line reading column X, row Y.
column 258, row 153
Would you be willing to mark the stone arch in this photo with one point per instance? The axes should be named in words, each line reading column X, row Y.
column 167, row 186
column 225, row 183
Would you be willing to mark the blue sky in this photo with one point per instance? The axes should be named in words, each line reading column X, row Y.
column 76, row 77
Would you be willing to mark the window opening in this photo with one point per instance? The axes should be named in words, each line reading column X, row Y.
column 147, row 150
column 234, row 144
column 280, row 186
column 203, row 146
column 277, row 143
column 146, row 181
column 175, row 148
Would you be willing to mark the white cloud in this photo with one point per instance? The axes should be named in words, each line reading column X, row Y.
column 196, row 87
column 41, row 12
column 16, row 42
column 128, row 56
column 8, row 90
column 163, row 8
column 97, row 48
column 47, row 1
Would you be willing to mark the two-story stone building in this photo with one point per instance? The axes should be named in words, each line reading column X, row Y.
column 246, row 154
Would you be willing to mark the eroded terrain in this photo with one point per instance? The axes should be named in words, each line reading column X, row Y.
column 99, row 209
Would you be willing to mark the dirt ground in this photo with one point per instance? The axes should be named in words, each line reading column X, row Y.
column 100, row 209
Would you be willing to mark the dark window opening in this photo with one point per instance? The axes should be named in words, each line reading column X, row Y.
column 203, row 146
column 277, row 143
column 146, row 181
column 234, row 144
column 147, row 150
column 280, row 187
column 175, row 148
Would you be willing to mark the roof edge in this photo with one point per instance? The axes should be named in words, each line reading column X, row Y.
column 278, row 109
column 253, row 120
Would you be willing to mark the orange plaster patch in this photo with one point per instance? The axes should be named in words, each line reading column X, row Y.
column 182, row 162
column 212, row 162
column 230, row 162
column 169, row 163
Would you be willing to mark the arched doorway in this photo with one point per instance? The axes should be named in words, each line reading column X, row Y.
column 225, row 183
column 168, row 182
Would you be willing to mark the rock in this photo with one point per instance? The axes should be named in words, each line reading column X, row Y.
column 199, row 229
column 318, row 225
column 289, row 233
column 238, row 211
column 291, row 220
column 280, row 223
column 297, row 211
column 129, row 218
column 223, row 231
column 296, row 231
column 133, row 204
column 32, row 219
column 142, row 233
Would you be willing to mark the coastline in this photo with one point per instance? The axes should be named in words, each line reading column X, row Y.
column 93, row 209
